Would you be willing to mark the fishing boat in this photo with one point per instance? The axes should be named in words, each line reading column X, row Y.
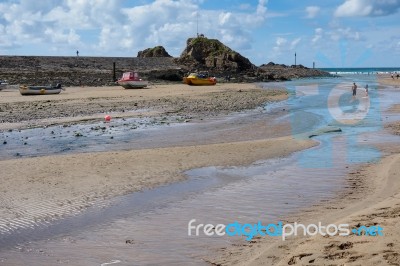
column 131, row 80
column 40, row 90
column 199, row 79
column 3, row 84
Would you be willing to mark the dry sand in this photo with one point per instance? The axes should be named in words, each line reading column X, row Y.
column 387, row 80
column 372, row 197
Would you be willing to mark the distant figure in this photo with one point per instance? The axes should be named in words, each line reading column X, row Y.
column 392, row 76
column 354, row 89
column 366, row 90
column 398, row 76
column 77, row 53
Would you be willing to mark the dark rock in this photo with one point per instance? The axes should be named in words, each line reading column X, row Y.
column 211, row 54
column 284, row 72
column 158, row 51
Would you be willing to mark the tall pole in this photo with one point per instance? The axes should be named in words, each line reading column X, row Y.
column 197, row 18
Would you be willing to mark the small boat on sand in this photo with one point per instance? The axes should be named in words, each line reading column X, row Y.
column 40, row 90
column 199, row 79
column 131, row 80
column 3, row 84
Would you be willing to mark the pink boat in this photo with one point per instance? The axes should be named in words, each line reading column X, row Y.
column 131, row 80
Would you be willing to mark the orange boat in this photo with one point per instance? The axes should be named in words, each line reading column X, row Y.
column 199, row 79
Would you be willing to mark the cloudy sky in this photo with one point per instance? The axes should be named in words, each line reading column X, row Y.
column 331, row 33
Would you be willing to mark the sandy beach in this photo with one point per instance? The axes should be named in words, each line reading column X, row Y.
column 33, row 192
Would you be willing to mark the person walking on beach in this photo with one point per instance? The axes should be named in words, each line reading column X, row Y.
column 354, row 89
column 366, row 90
column 77, row 53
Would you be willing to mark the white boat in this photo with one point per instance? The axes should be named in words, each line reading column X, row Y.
column 40, row 90
column 3, row 84
column 131, row 80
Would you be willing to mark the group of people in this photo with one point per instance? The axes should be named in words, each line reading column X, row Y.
column 397, row 75
column 354, row 89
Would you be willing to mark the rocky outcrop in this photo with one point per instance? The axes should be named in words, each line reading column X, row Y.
column 211, row 54
column 272, row 71
column 157, row 51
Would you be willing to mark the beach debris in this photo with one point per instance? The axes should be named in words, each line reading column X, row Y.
column 111, row 262
column 78, row 134
column 325, row 130
column 4, row 142
column 107, row 118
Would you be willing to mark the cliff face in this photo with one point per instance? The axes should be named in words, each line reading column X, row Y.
column 158, row 51
column 211, row 54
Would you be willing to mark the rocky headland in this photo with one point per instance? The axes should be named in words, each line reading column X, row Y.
column 154, row 64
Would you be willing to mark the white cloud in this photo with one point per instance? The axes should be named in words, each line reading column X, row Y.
column 336, row 33
column 294, row 43
column 312, row 11
column 106, row 26
column 284, row 45
column 353, row 8
column 281, row 41
column 344, row 33
column 318, row 35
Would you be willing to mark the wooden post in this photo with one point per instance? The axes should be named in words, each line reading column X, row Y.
column 114, row 77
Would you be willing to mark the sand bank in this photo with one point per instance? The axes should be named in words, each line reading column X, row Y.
column 63, row 184
column 78, row 104
column 387, row 80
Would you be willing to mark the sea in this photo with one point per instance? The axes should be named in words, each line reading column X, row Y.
column 361, row 70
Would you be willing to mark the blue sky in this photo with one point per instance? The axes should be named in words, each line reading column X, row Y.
column 332, row 33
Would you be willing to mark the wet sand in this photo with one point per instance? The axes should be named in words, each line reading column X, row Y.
column 371, row 197
column 69, row 183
